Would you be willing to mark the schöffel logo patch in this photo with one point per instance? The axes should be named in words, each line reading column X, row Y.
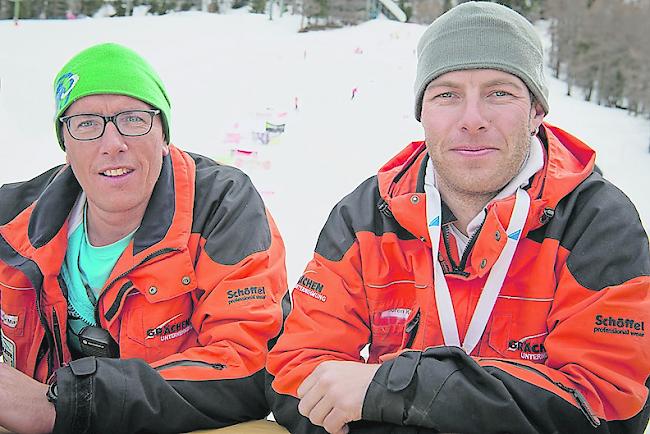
column 311, row 288
column 169, row 330
column 618, row 326
column 249, row 293
column 9, row 320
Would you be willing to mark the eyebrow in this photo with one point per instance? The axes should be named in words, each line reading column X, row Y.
column 442, row 84
column 491, row 83
column 501, row 82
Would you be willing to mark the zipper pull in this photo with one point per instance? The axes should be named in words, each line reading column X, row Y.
column 383, row 208
column 412, row 329
column 547, row 215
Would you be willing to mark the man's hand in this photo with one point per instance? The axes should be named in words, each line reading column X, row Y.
column 24, row 408
column 333, row 394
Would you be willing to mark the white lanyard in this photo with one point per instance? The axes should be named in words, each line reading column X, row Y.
column 493, row 283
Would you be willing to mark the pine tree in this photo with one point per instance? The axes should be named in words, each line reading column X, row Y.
column 258, row 6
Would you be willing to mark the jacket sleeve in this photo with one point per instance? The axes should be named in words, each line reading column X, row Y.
column 596, row 374
column 218, row 382
column 329, row 316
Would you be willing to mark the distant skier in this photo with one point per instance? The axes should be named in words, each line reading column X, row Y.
column 354, row 93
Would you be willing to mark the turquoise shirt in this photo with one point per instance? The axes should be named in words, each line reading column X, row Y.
column 85, row 271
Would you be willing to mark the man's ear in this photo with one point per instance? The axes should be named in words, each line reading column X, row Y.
column 537, row 115
column 165, row 149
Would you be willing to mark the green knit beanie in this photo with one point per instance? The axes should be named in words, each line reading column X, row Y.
column 481, row 35
column 109, row 69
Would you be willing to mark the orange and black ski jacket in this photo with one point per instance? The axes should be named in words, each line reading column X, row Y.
column 192, row 302
column 565, row 349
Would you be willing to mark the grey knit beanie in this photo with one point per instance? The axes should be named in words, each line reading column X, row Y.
column 481, row 35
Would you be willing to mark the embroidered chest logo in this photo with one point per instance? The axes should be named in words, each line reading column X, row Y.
column 170, row 329
column 249, row 293
column 618, row 326
column 311, row 288
column 534, row 351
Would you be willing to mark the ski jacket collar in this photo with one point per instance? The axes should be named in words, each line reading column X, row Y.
column 165, row 222
column 567, row 162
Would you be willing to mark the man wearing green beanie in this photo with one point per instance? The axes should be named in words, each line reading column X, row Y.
column 140, row 284
column 499, row 283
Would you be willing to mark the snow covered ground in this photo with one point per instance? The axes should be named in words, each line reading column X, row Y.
column 228, row 74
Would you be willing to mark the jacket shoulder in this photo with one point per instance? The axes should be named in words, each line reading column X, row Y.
column 17, row 196
column 600, row 227
column 228, row 212
column 363, row 210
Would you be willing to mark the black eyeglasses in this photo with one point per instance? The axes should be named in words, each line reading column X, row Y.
column 130, row 123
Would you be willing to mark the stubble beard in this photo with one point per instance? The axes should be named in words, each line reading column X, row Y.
column 483, row 184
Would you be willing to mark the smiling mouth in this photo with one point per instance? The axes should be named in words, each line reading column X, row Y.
column 112, row 173
column 471, row 151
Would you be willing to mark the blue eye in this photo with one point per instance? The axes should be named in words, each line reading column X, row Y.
column 134, row 119
column 88, row 123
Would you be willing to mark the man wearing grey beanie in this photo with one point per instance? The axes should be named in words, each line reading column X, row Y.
column 499, row 283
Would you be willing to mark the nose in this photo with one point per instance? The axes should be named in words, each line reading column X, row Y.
column 112, row 142
column 473, row 117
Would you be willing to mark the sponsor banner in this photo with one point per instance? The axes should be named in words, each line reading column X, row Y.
column 274, row 128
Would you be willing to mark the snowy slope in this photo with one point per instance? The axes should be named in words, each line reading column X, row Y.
column 228, row 74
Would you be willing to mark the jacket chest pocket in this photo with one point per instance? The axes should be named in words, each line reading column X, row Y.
column 153, row 331
column 391, row 305
column 517, row 329
column 19, row 320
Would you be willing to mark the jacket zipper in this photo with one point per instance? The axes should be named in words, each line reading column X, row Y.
column 412, row 329
column 124, row 274
column 470, row 246
column 124, row 291
column 48, row 335
column 57, row 336
column 42, row 349
column 217, row 366
column 579, row 397
column 455, row 269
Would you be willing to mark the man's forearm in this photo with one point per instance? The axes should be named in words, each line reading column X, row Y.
column 444, row 389
column 113, row 395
